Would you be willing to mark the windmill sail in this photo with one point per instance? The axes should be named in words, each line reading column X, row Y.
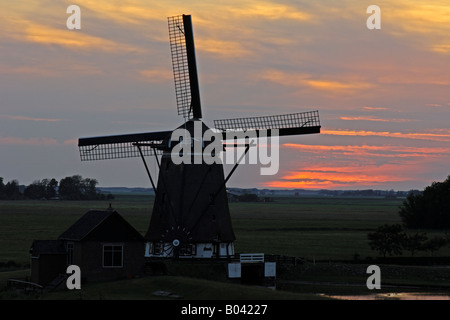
column 184, row 66
column 287, row 124
column 122, row 146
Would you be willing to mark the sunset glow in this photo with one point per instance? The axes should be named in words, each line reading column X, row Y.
column 383, row 95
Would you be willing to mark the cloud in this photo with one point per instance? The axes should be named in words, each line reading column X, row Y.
column 268, row 10
column 28, row 141
column 23, row 118
column 358, row 166
column 334, row 177
column 427, row 23
column 25, row 28
column 375, row 108
column 372, row 151
column 341, row 85
column 445, row 136
column 224, row 48
column 441, row 48
column 156, row 75
column 70, row 39
column 375, row 119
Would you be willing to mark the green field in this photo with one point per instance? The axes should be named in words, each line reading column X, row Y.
column 313, row 228
column 320, row 228
column 325, row 230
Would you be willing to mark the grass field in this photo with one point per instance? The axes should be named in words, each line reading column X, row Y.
column 315, row 228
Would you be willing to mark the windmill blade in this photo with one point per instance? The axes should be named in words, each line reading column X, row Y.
column 184, row 66
column 287, row 124
column 122, row 146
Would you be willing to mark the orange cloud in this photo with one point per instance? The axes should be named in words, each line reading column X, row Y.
column 441, row 48
column 224, row 48
column 359, row 165
column 330, row 85
column 363, row 133
column 299, row 79
column 71, row 39
column 23, row 29
column 373, row 151
column 268, row 10
column 376, row 119
column 316, row 177
column 157, row 75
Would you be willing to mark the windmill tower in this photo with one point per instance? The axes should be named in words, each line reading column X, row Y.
column 190, row 215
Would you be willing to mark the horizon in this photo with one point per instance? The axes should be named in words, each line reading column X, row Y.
column 383, row 95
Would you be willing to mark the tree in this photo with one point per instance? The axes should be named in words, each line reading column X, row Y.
column 387, row 239
column 248, row 197
column 69, row 188
column 414, row 242
column 77, row 188
column 51, row 189
column 12, row 190
column 434, row 244
column 429, row 209
column 41, row 189
column 2, row 189
column 34, row 191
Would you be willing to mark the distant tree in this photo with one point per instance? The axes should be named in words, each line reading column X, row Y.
column 387, row 239
column 248, row 197
column 414, row 242
column 41, row 189
column 89, row 188
column 434, row 244
column 34, row 191
column 51, row 188
column 77, row 188
column 70, row 188
column 429, row 209
column 11, row 190
column 2, row 189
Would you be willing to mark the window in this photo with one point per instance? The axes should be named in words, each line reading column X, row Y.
column 188, row 250
column 158, row 248
column 113, row 256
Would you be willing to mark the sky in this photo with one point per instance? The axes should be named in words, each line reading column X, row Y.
column 383, row 95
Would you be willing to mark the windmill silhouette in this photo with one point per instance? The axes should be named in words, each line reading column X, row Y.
column 191, row 217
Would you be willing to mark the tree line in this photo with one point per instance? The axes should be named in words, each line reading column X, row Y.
column 429, row 209
column 69, row 188
column 393, row 240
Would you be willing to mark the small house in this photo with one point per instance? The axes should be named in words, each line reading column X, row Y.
column 102, row 243
column 48, row 260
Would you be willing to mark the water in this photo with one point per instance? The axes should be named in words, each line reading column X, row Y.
column 394, row 296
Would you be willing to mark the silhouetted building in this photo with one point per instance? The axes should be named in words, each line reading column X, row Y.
column 101, row 243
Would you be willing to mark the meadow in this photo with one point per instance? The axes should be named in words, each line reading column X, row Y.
column 328, row 231
column 314, row 228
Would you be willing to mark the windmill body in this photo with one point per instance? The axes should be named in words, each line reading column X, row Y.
column 190, row 217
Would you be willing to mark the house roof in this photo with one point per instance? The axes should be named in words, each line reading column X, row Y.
column 47, row 247
column 94, row 220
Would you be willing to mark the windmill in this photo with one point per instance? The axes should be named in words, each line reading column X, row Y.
column 190, row 217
